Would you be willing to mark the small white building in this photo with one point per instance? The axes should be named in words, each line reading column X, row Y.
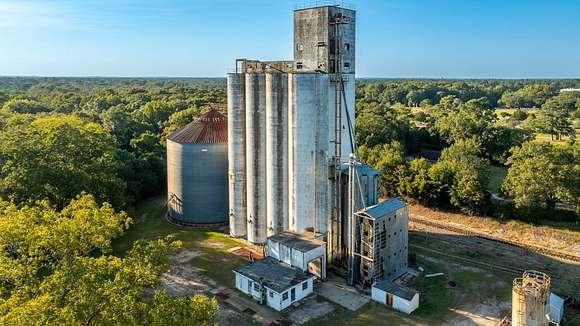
column 556, row 309
column 303, row 251
column 274, row 283
column 398, row 297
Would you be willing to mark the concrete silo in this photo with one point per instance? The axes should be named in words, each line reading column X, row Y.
column 276, row 152
column 256, row 156
column 308, row 151
column 237, row 154
column 197, row 167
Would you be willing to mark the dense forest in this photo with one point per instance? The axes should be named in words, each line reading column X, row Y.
column 77, row 153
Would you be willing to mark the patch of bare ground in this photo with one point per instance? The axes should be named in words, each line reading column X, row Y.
column 559, row 239
column 184, row 279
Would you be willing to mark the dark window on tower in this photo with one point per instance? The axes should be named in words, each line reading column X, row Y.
column 347, row 46
column 321, row 44
column 298, row 65
column 346, row 64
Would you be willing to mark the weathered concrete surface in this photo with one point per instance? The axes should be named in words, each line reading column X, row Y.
column 256, row 157
column 237, row 154
column 336, row 291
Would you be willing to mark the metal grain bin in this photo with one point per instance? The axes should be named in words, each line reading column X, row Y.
column 197, row 171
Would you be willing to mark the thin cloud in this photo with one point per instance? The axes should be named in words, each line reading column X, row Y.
column 30, row 15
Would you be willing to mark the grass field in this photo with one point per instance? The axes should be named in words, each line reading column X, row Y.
column 214, row 259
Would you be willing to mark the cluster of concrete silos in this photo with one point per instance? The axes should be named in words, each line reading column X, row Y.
column 284, row 130
column 280, row 128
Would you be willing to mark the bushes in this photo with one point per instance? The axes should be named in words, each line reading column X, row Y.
column 458, row 180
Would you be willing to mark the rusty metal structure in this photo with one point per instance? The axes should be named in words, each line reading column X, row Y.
column 380, row 240
column 530, row 299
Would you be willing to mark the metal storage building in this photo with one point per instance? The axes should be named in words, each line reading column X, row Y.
column 197, row 171
column 382, row 237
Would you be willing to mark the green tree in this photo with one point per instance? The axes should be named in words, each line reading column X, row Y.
column 57, row 158
column 415, row 184
column 56, row 269
column 455, row 121
column 156, row 113
column 461, row 175
column 389, row 161
column 378, row 124
column 528, row 96
column 541, row 174
column 25, row 106
column 555, row 117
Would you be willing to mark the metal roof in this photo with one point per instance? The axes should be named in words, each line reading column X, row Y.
column 395, row 289
column 273, row 274
column 210, row 128
column 300, row 242
column 383, row 208
column 362, row 169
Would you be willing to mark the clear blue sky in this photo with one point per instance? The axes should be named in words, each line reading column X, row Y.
column 194, row 38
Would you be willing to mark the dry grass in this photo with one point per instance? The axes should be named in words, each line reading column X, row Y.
column 557, row 238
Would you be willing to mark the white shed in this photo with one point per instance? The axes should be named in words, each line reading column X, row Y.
column 299, row 250
column 398, row 297
column 556, row 309
column 274, row 283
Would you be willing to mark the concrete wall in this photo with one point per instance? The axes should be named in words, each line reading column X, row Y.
column 256, row 157
column 308, row 151
column 399, row 304
column 312, row 255
column 300, row 294
column 406, row 306
column 246, row 285
column 293, row 257
column 197, row 182
column 314, row 38
column 274, row 300
column 276, row 152
column 236, row 90
column 379, row 295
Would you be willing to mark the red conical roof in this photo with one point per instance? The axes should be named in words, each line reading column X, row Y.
column 210, row 128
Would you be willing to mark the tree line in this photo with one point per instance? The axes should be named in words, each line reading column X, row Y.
column 458, row 123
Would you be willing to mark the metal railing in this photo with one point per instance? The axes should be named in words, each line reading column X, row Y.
column 323, row 3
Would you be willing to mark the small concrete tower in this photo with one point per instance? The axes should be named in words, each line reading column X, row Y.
column 319, row 33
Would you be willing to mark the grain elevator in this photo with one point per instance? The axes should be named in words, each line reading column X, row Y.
column 293, row 121
column 291, row 138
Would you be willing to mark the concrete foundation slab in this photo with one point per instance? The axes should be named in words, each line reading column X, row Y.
column 338, row 292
